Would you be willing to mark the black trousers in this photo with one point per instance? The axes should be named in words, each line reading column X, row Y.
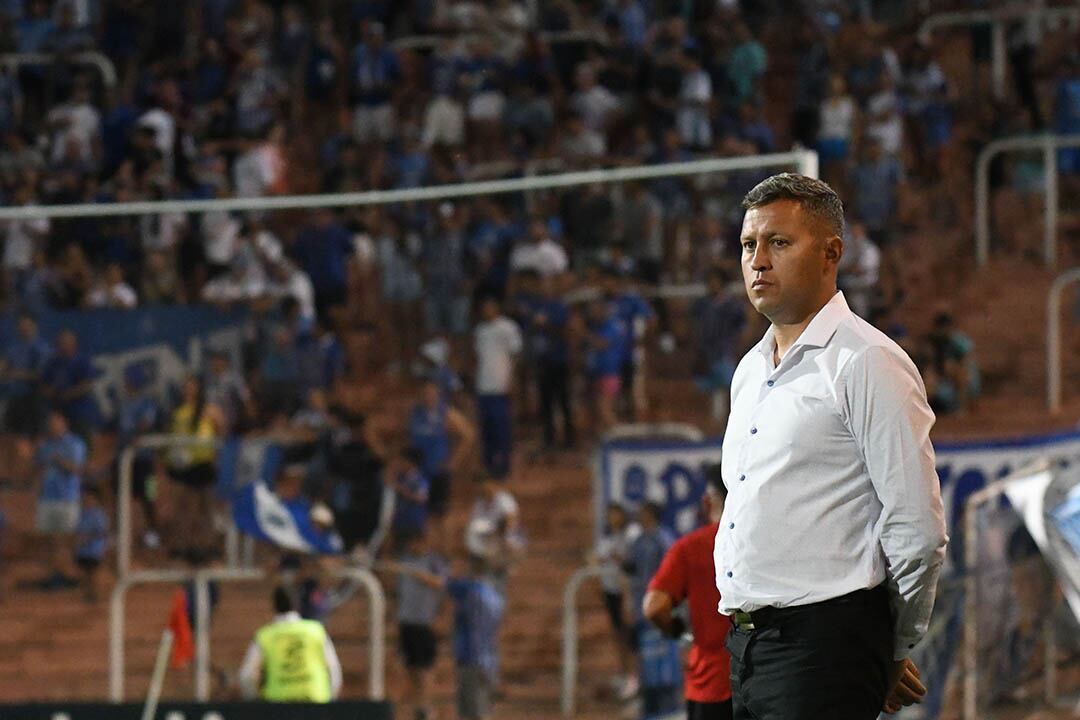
column 553, row 382
column 825, row 660
column 708, row 710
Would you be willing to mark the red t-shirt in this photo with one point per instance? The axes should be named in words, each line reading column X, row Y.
column 688, row 573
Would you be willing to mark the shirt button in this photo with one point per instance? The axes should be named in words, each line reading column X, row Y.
column 729, row 573
column 771, row 383
column 753, row 431
column 731, row 526
column 741, row 478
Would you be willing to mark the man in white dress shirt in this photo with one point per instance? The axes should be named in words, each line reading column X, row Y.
column 833, row 534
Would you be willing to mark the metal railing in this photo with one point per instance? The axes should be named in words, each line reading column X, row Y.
column 1053, row 337
column 98, row 60
column 997, row 19
column 427, row 42
column 201, row 580
column 123, row 496
column 568, row 693
column 1049, row 144
column 805, row 160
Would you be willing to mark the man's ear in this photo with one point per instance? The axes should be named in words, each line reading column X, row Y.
column 834, row 248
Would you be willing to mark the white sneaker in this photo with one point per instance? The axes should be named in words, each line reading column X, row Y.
column 630, row 688
column 151, row 540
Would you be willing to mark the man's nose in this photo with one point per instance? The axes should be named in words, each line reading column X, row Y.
column 760, row 259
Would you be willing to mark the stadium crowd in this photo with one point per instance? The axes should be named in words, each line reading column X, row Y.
column 541, row 306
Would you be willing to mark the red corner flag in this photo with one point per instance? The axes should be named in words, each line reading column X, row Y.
column 183, row 649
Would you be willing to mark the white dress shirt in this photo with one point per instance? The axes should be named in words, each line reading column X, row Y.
column 830, row 473
column 251, row 668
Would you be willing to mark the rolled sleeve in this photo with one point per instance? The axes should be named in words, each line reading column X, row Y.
column 891, row 420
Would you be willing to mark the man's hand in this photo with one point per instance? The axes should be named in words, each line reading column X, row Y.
column 907, row 689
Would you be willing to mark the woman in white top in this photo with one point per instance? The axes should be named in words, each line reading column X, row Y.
column 838, row 115
column 610, row 554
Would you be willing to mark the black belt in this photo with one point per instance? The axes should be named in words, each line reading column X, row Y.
column 767, row 617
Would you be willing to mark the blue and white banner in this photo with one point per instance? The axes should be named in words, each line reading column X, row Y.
column 260, row 513
column 668, row 472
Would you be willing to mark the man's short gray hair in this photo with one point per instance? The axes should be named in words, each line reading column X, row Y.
column 815, row 197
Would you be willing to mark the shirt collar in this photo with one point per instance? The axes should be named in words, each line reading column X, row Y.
column 817, row 333
column 291, row 616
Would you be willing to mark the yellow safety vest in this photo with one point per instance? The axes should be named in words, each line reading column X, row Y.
column 294, row 666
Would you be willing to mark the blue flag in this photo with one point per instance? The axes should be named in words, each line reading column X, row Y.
column 260, row 513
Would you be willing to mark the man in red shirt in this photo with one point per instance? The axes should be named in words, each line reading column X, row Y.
column 688, row 573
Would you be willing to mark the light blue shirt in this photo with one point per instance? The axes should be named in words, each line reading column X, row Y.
column 57, row 484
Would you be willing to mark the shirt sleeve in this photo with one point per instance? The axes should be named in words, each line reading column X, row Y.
column 889, row 416
column 671, row 578
column 333, row 665
column 249, row 671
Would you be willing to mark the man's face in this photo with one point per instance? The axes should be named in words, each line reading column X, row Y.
column 57, row 425
column 787, row 261
column 27, row 328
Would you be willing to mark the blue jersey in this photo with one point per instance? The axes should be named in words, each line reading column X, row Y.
column 644, row 557
column 478, row 611
column 58, row 484
column 66, row 373
column 28, row 356
column 429, row 433
column 92, row 533
column 411, row 514
column 661, row 665
column 608, row 360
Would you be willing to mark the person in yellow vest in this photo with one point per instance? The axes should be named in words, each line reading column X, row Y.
column 291, row 659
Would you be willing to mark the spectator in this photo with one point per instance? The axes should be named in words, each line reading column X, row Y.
column 374, row 73
column 446, row 302
column 719, row 324
column 494, row 533
column 258, row 91
column 76, row 123
column 659, row 672
column 112, row 291
column 160, row 284
column 444, row 438
column 611, row 555
column 633, row 23
column 22, row 238
column 877, row 180
column 859, row 271
column 549, row 347
column 606, row 345
column 540, row 253
column 883, row 122
column 745, row 66
column 288, row 282
column 138, row 414
column 68, row 384
column 421, row 583
column 412, row 488
column 291, row 659
column 263, row 169
column 589, row 219
column 811, row 83
column 21, row 367
column 444, row 117
column 639, row 321
column 927, row 104
column 478, row 613
column 435, row 359
column 595, row 104
column 695, row 99
column 61, row 458
column 640, row 231
column 839, row 114
column 497, row 343
column 227, row 391
column 401, row 284
column 91, row 541
column 279, row 373
column 193, row 467
column 952, row 375
column 581, row 146
column 482, row 77
column 322, row 250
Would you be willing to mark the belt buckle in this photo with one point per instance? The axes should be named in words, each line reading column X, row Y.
column 743, row 620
